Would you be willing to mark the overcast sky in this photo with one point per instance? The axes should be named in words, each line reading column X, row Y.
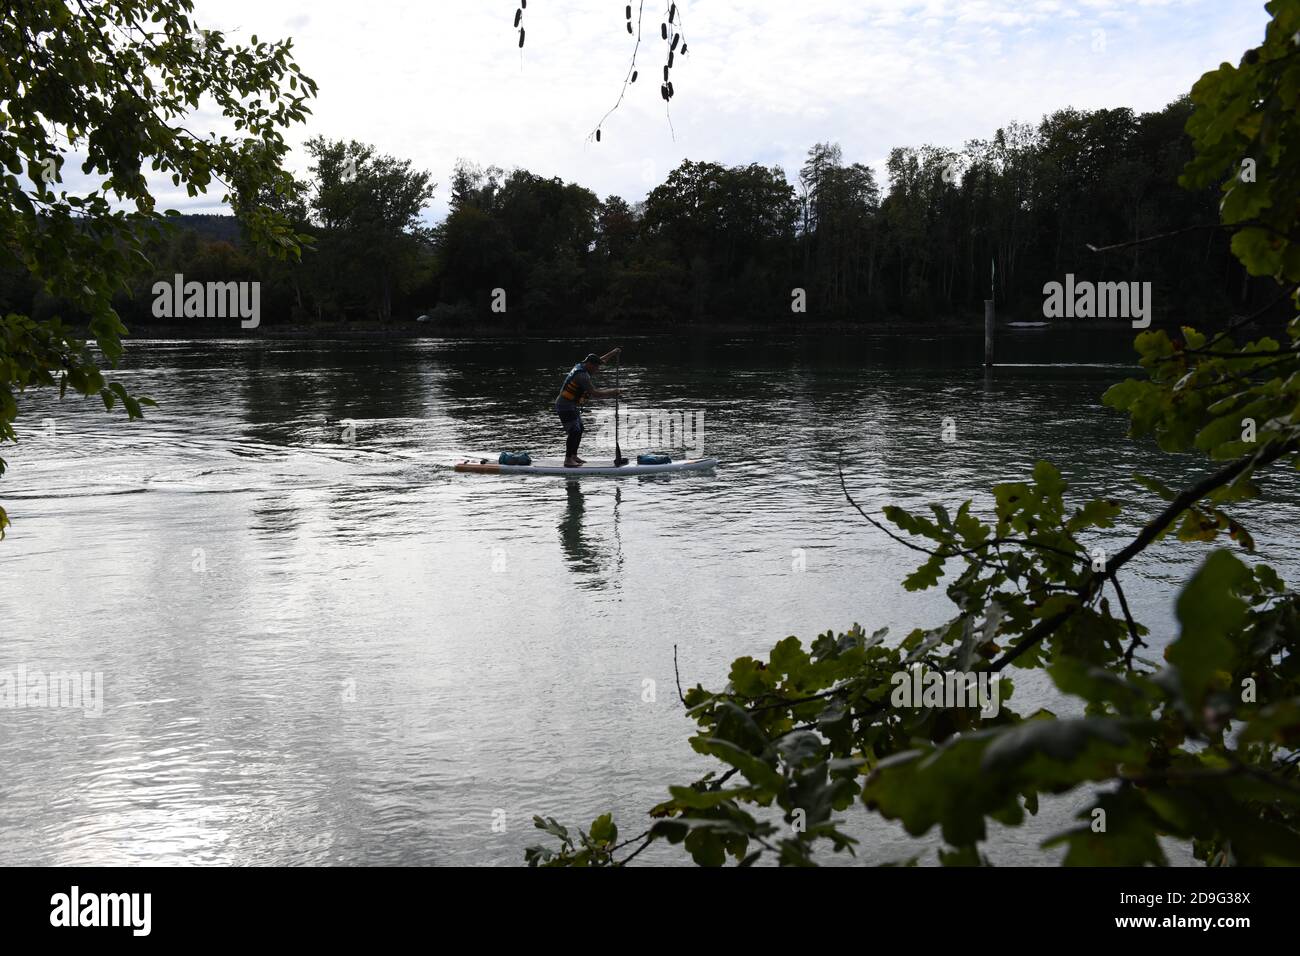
column 763, row 80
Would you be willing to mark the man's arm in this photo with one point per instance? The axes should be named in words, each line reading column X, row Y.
column 607, row 392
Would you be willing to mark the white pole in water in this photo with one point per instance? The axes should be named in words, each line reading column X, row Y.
column 989, row 317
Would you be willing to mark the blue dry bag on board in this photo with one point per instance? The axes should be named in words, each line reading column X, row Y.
column 514, row 458
column 653, row 460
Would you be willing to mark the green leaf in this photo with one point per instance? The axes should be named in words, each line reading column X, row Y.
column 551, row 827
column 1209, row 610
column 927, row 575
column 1123, row 834
column 1063, row 741
column 604, row 831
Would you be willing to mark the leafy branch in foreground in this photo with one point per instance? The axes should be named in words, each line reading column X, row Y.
column 116, row 83
column 1200, row 747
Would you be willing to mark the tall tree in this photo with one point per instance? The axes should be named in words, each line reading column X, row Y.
column 368, row 207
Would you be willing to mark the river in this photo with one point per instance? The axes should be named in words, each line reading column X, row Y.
column 318, row 644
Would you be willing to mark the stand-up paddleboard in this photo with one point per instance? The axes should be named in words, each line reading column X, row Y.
column 605, row 466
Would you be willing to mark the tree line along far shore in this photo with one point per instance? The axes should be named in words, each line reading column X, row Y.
column 715, row 244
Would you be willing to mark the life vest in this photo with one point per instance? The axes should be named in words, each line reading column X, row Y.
column 569, row 390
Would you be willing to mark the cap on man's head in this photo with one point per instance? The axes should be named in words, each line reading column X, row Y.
column 592, row 359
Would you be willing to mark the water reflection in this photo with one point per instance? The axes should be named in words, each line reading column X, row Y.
column 595, row 559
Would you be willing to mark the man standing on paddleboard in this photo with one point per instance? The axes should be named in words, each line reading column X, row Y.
column 577, row 388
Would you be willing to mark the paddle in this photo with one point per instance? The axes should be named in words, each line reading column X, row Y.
column 619, row 460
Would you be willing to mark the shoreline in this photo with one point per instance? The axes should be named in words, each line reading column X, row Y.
column 413, row 330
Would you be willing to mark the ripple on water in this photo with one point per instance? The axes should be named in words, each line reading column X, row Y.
column 318, row 650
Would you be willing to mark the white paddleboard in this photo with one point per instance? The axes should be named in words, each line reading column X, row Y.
column 555, row 466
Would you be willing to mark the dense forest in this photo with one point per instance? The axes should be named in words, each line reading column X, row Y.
column 717, row 244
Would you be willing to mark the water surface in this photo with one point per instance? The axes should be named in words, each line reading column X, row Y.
column 318, row 650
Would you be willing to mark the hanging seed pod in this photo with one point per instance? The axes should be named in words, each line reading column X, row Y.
column 683, row 49
column 665, row 74
column 670, row 90
column 634, row 76
column 519, row 15
column 670, row 58
column 663, row 91
column 523, row 4
column 676, row 37
column 663, row 30
column 598, row 136
column 629, row 28
column 672, row 12
column 628, row 14
column 521, row 37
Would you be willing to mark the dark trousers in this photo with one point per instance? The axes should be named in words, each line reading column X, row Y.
column 572, row 422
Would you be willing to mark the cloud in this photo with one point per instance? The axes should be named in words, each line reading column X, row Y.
column 763, row 80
